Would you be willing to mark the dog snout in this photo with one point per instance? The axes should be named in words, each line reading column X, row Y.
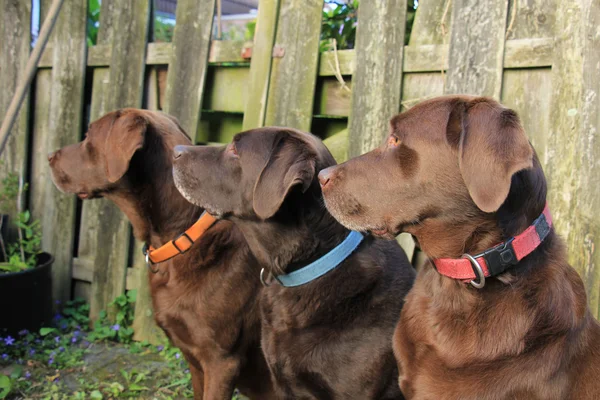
column 325, row 176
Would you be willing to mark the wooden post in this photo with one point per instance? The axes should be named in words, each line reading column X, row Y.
column 377, row 82
column 477, row 47
column 574, row 149
column 260, row 67
column 189, row 62
column 294, row 65
column 65, row 126
column 105, row 232
column 15, row 46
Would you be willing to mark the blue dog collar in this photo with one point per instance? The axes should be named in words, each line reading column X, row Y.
column 324, row 264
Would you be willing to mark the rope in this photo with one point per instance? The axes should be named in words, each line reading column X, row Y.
column 337, row 71
column 30, row 70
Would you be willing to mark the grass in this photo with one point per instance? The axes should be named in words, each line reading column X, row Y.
column 72, row 361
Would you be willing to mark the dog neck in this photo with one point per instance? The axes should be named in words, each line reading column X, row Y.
column 148, row 196
column 474, row 231
column 300, row 233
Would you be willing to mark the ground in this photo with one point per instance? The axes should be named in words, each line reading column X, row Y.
column 74, row 359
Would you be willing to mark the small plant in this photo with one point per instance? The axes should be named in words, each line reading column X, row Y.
column 119, row 327
column 22, row 253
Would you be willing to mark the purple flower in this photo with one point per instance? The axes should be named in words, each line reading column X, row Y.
column 23, row 332
column 116, row 327
column 9, row 340
column 77, row 333
column 5, row 356
column 160, row 348
column 177, row 355
column 187, row 371
column 61, row 348
column 57, row 317
column 86, row 343
column 27, row 375
column 57, row 339
column 73, row 339
column 38, row 341
column 51, row 361
column 31, row 352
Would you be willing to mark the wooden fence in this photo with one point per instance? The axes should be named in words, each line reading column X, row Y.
column 540, row 57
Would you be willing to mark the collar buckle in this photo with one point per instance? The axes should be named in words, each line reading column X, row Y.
column 499, row 258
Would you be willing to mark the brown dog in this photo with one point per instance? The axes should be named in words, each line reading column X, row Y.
column 330, row 337
column 206, row 300
column 458, row 173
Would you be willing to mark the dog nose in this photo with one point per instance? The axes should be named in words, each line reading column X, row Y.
column 178, row 151
column 325, row 176
column 51, row 156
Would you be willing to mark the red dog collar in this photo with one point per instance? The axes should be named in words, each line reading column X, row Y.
column 496, row 260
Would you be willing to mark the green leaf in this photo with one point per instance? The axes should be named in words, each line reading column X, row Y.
column 46, row 331
column 136, row 388
column 5, row 386
column 96, row 395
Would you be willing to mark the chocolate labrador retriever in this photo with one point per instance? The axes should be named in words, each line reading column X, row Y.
column 206, row 298
column 483, row 321
column 328, row 319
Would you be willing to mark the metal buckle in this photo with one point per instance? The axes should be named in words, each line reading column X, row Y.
column 478, row 271
column 262, row 278
column 189, row 239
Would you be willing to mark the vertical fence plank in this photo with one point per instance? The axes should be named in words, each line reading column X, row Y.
column 104, row 237
column 432, row 23
column 573, row 139
column 260, row 67
column 189, row 62
column 294, row 65
column 476, row 55
column 377, row 82
column 144, row 326
column 15, row 46
column 529, row 90
column 65, row 125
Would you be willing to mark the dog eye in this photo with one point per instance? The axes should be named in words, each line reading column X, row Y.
column 393, row 141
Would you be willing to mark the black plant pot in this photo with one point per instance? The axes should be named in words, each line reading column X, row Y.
column 26, row 298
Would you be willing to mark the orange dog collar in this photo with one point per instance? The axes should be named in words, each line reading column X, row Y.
column 181, row 243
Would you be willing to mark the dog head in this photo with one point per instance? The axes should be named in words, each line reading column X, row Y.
column 99, row 162
column 446, row 160
column 253, row 175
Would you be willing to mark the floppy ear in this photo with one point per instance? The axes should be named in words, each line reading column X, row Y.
column 492, row 146
column 291, row 163
column 126, row 136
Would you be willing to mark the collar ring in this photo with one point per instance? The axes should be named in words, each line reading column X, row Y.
column 480, row 282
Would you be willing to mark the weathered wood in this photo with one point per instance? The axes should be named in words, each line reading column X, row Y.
column 228, row 51
column 15, row 39
column 529, row 90
column 329, row 62
column 477, row 47
column 260, row 68
column 227, row 89
column 105, row 233
column 65, row 127
column 432, row 23
column 294, row 66
column 573, row 138
column 377, row 81
column 333, row 98
column 144, row 327
column 188, row 66
column 83, row 271
column 338, row 145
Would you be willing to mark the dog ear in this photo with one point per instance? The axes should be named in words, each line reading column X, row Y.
column 125, row 137
column 291, row 163
column 492, row 146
